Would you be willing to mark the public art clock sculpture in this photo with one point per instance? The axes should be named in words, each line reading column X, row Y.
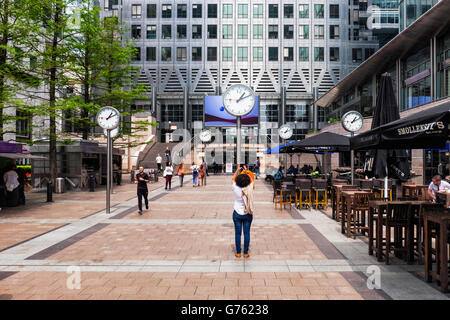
column 239, row 100
column 352, row 121
column 286, row 132
column 205, row 135
column 108, row 118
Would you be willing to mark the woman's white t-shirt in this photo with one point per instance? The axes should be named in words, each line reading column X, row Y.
column 239, row 206
column 168, row 171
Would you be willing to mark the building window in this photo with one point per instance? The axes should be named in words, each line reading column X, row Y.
column 212, row 10
column 212, row 31
column 151, row 31
column 334, row 11
column 151, row 11
column 181, row 10
column 136, row 11
column 197, row 54
column 227, row 54
column 318, row 32
column 243, row 11
column 334, row 54
column 288, row 11
column 181, row 31
column 196, row 31
column 273, row 31
column 242, row 53
column 166, row 54
column 355, row 16
column 273, row 53
column 137, row 54
column 181, row 54
column 297, row 113
column 303, row 31
column 258, row 11
column 303, row 54
column 258, row 54
column 166, row 31
column 136, row 32
column 303, row 11
column 318, row 54
column 151, row 53
column 318, row 11
column 269, row 113
column 356, row 54
column 368, row 52
column 166, row 10
column 212, row 54
column 242, row 31
column 173, row 113
column 273, row 11
column 197, row 10
column 334, row 32
column 227, row 11
column 227, row 31
column 23, row 121
column 257, row 31
column 288, row 54
column 289, row 31
column 197, row 112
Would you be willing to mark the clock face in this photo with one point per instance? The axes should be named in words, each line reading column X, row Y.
column 114, row 132
column 286, row 132
column 108, row 118
column 205, row 135
column 239, row 100
column 352, row 121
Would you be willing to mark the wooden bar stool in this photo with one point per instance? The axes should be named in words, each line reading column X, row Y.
column 319, row 187
column 304, row 193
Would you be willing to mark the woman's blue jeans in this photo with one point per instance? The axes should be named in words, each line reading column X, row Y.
column 194, row 178
column 242, row 222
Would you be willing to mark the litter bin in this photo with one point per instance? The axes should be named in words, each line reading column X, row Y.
column 60, row 185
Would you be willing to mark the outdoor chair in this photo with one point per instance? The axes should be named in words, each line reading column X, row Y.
column 366, row 185
column 339, row 209
column 303, row 196
column 276, row 186
column 319, row 187
column 284, row 195
column 356, row 216
column 397, row 218
column 417, row 214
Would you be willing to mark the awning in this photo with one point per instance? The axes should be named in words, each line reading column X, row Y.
column 416, row 35
column 323, row 142
column 277, row 149
column 21, row 156
column 423, row 130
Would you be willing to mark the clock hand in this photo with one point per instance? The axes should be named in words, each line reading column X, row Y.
column 354, row 119
column 111, row 115
column 240, row 97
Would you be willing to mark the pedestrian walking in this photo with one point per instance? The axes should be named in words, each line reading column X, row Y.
column 158, row 162
column 202, row 175
column 181, row 172
column 168, row 172
column 243, row 209
column 257, row 166
column 167, row 152
column 11, row 180
column 195, row 170
column 142, row 191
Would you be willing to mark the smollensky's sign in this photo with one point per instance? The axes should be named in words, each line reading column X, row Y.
column 436, row 125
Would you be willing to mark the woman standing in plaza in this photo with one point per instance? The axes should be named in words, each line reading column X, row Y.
column 243, row 209
column 195, row 170
column 168, row 172
column 181, row 172
column 202, row 172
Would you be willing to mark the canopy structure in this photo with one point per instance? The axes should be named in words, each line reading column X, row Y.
column 279, row 148
column 423, row 130
column 21, row 156
column 325, row 142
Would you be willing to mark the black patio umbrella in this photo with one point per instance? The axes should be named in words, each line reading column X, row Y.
column 425, row 129
column 387, row 162
column 326, row 142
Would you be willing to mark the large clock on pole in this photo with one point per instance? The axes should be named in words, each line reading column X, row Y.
column 239, row 100
column 108, row 118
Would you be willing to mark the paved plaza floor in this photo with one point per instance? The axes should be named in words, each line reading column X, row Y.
column 183, row 248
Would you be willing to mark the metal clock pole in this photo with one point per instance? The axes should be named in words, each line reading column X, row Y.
column 238, row 142
column 111, row 180
column 108, row 173
column 352, row 159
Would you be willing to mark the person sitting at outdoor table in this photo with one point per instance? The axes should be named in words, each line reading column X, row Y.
column 318, row 169
column 279, row 174
column 436, row 185
column 291, row 170
column 11, row 179
column 305, row 169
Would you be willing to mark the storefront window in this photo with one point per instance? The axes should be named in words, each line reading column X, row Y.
column 436, row 162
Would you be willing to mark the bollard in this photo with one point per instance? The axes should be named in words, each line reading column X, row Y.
column 49, row 192
column 91, row 183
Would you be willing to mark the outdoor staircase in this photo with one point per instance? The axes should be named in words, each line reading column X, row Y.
column 147, row 158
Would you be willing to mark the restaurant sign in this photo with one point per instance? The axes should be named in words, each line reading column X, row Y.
column 428, row 128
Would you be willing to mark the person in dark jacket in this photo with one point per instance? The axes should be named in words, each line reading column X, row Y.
column 142, row 191
column 22, row 180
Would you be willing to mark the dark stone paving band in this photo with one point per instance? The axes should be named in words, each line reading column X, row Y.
column 6, row 274
column 359, row 282
column 44, row 254
column 324, row 245
column 41, row 234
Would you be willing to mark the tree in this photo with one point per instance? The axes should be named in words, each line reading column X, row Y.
column 15, row 75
